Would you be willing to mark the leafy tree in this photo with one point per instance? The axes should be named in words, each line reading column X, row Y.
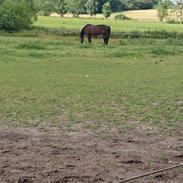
column 178, row 9
column 100, row 5
column 61, row 7
column 35, row 4
column 48, row 7
column 76, row 7
column 118, row 5
column 106, row 9
column 1, row 1
column 162, row 9
column 144, row 4
column 91, row 6
column 15, row 15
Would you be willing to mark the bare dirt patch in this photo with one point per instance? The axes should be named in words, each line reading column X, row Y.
column 55, row 155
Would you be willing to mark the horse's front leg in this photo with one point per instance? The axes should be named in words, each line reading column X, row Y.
column 89, row 38
column 106, row 40
column 104, row 37
column 81, row 39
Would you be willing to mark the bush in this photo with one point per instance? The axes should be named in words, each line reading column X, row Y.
column 121, row 17
column 173, row 21
column 15, row 15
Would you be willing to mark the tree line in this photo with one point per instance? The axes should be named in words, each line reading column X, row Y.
column 20, row 14
column 92, row 7
column 77, row 7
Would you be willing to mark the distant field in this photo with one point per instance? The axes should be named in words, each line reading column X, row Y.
column 117, row 26
column 142, row 15
column 129, row 84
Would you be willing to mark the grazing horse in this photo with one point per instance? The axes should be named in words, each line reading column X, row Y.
column 94, row 30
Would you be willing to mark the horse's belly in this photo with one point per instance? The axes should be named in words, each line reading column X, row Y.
column 95, row 31
column 96, row 34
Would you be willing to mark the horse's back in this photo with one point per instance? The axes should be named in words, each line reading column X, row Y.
column 89, row 26
column 91, row 29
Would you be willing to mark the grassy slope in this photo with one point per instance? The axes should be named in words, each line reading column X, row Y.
column 76, row 24
column 130, row 83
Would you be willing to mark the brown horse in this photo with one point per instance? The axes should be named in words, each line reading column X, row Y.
column 94, row 30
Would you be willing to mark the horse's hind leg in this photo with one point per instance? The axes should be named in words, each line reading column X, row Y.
column 106, row 39
column 89, row 38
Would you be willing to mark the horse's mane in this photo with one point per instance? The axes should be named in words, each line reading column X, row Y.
column 82, row 30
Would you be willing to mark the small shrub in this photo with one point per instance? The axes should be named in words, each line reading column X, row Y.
column 41, row 13
column 121, row 17
column 172, row 21
column 123, row 42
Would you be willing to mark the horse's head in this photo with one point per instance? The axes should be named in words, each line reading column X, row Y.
column 81, row 37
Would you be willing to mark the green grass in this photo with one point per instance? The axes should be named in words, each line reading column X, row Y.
column 117, row 25
column 129, row 84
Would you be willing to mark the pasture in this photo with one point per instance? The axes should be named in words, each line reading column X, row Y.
column 117, row 25
column 91, row 111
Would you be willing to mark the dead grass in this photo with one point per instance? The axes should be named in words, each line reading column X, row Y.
column 141, row 15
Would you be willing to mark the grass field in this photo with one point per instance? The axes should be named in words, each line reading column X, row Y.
column 129, row 84
column 117, row 26
column 90, row 113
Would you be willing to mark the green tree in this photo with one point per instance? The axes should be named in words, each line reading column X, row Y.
column 178, row 9
column 106, row 9
column 144, row 4
column 48, row 7
column 91, row 6
column 35, row 4
column 1, row 1
column 121, row 5
column 76, row 7
column 61, row 7
column 15, row 15
column 162, row 9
